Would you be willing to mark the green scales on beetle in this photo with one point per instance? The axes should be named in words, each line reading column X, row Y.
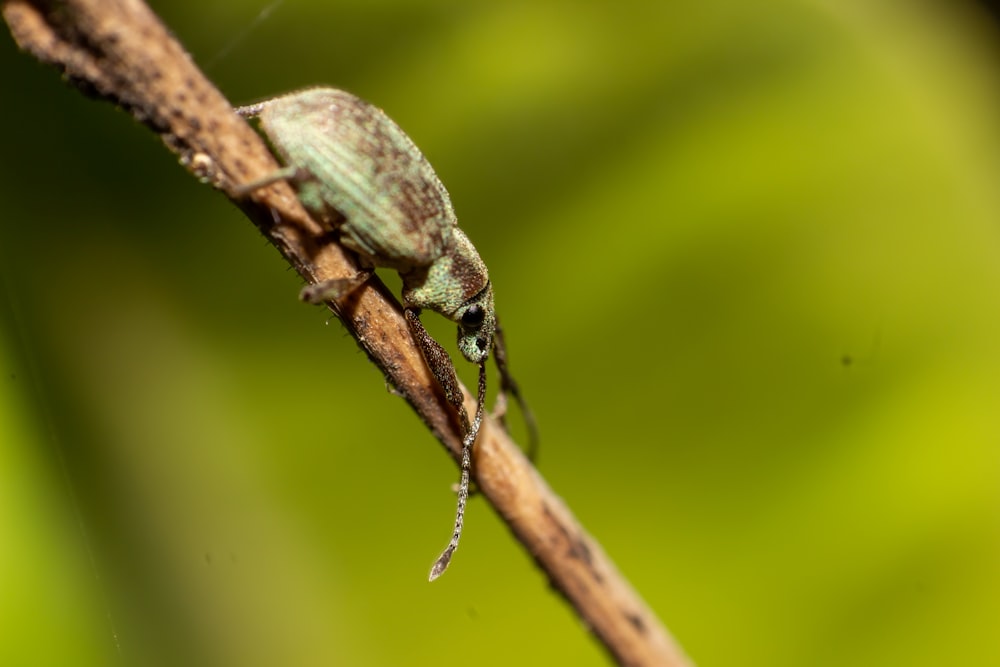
column 356, row 170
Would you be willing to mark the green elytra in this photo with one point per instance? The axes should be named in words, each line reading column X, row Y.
column 356, row 170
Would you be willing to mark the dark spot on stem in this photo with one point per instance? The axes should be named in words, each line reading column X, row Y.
column 635, row 620
column 578, row 549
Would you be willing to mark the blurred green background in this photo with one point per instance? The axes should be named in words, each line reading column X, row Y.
column 747, row 256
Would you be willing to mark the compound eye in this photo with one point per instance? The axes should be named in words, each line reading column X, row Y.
column 473, row 317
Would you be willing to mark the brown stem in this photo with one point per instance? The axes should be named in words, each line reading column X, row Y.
column 119, row 50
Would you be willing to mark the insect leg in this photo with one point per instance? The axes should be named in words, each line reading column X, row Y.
column 334, row 288
column 444, row 371
column 439, row 362
column 287, row 173
column 509, row 386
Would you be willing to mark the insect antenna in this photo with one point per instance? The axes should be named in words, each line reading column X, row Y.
column 441, row 564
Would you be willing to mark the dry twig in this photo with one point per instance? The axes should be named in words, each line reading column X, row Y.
column 119, row 50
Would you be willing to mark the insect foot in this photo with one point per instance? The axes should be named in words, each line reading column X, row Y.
column 362, row 176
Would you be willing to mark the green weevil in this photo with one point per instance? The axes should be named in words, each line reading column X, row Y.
column 356, row 170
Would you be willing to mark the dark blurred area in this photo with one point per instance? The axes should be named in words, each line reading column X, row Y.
column 990, row 6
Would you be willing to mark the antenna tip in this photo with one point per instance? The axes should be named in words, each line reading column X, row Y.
column 441, row 564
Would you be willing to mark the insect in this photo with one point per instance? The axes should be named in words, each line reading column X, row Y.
column 357, row 171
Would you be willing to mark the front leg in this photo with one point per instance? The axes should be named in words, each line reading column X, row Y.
column 509, row 386
column 442, row 368
column 440, row 364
